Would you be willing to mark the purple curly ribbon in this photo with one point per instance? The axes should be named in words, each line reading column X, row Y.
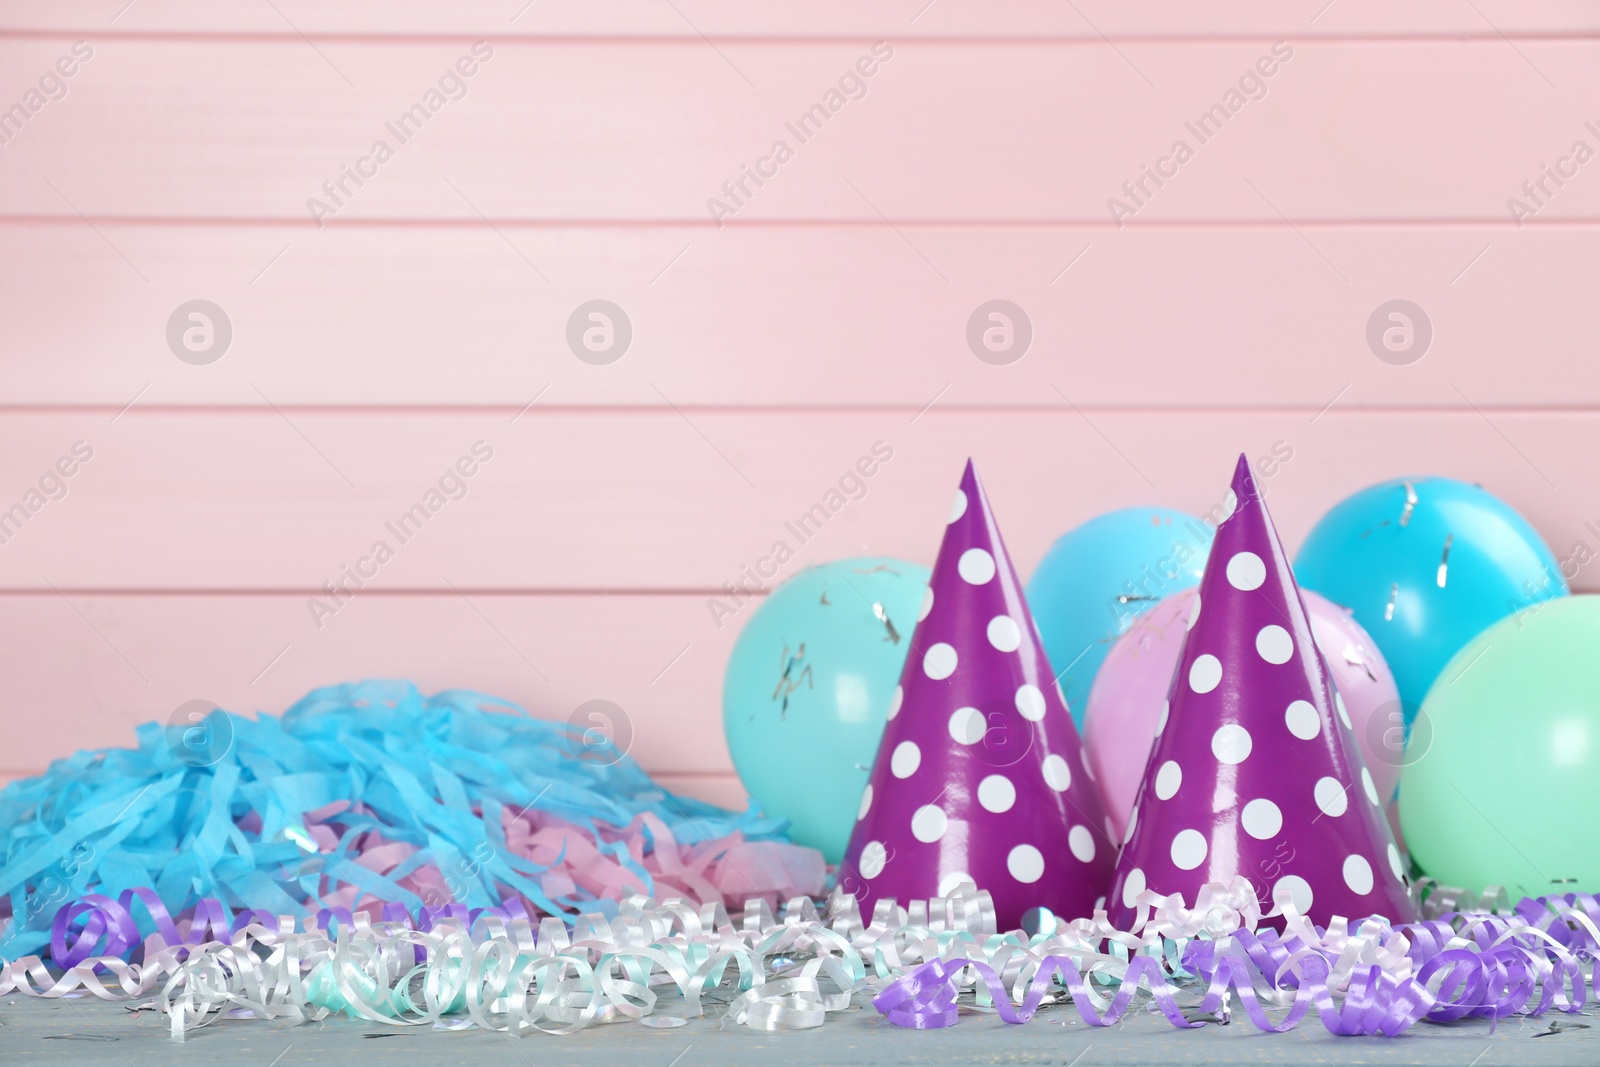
column 925, row 997
column 110, row 926
column 112, row 921
column 1508, row 971
column 1376, row 1003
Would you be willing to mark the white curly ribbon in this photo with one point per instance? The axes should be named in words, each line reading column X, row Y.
column 786, row 972
column 783, row 971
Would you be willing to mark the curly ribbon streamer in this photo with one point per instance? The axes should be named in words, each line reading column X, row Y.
column 455, row 967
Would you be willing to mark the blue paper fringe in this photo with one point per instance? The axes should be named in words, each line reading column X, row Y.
column 435, row 771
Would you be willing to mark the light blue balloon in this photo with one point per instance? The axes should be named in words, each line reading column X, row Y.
column 1426, row 564
column 1098, row 578
column 807, row 691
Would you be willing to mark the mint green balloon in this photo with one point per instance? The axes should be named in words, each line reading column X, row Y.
column 1502, row 778
column 807, row 691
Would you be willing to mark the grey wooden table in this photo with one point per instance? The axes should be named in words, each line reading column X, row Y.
column 85, row 1031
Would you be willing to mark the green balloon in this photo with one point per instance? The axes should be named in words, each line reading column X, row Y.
column 1505, row 791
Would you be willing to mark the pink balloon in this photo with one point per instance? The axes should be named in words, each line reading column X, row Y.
column 1131, row 688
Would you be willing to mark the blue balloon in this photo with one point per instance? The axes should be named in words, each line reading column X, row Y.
column 1098, row 578
column 807, row 691
column 1426, row 564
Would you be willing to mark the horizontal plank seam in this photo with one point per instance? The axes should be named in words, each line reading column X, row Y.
column 173, row 593
column 1344, row 410
column 1483, row 35
column 717, row 776
column 290, row 222
column 293, row 592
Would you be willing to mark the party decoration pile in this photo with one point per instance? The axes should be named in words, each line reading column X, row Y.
column 372, row 793
column 807, row 690
column 980, row 777
column 1251, row 775
column 660, row 963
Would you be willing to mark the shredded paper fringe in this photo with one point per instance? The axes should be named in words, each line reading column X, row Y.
column 365, row 794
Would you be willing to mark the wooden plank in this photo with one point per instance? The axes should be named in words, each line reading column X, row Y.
column 93, row 667
column 630, row 130
column 796, row 316
column 855, row 1037
column 723, row 789
column 684, row 500
column 1085, row 20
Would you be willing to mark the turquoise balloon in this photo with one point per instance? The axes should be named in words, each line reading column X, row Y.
column 1426, row 564
column 1098, row 578
column 807, row 691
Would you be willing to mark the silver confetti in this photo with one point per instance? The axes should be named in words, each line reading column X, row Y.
column 1353, row 657
column 888, row 624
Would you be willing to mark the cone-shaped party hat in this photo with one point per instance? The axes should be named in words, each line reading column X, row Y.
column 980, row 775
column 1255, row 770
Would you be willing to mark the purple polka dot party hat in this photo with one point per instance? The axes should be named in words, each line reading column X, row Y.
column 980, row 776
column 1255, row 771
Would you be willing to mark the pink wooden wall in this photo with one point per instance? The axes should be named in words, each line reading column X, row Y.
column 828, row 312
